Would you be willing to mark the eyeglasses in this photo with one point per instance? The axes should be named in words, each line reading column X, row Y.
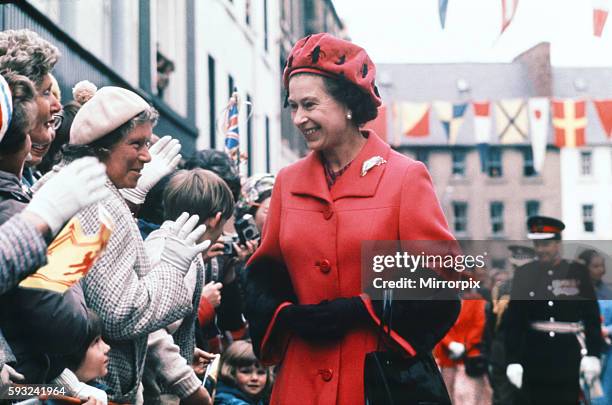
column 57, row 121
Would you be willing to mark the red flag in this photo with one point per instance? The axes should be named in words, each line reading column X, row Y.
column 569, row 121
column 508, row 11
column 600, row 14
column 604, row 110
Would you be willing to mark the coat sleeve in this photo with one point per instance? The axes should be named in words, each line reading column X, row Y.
column 420, row 218
column 22, row 251
column 131, row 306
column 268, row 287
column 475, row 329
column 591, row 315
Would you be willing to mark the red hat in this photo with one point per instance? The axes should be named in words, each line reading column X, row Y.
column 325, row 55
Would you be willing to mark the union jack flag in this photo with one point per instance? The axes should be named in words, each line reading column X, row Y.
column 232, row 136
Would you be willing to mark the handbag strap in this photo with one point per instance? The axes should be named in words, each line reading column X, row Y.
column 386, row 318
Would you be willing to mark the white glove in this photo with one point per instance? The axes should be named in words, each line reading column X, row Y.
column 456, row 350
column 8, row 375
column 590, row 367
column 180, row 247
column 514, row 372
column 164, row 159
column 76, row 186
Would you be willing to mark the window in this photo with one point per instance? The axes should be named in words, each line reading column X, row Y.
column 265, row 22
column 458, row 163
column 230, row 85
column 497, row 217
column 586, row 166
column 249, row 137
column 528, row 168
column 422, row 155
column 460, row 216
column 267, row 121
column 247, row 12
column 532, row 208
column 211, row 102
column 588, row 219
column 495, row 162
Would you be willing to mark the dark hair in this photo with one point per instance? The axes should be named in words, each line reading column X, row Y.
column 218, row 163
column 588, row 255
column 94, row 330
column 361, row 104
column 24, row 113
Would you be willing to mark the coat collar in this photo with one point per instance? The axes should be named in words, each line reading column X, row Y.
column 310, row 175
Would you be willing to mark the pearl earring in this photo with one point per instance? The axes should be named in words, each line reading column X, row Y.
column 349, row 116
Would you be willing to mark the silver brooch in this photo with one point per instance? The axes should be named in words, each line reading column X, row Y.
column 370, row 163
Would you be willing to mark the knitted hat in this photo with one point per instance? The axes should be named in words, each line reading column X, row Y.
column 326, row 55
column 6, row 106
column 106, row 111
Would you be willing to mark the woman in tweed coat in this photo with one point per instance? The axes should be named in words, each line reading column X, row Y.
column 131, row 297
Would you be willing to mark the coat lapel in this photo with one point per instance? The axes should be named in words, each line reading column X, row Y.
column 310, row 179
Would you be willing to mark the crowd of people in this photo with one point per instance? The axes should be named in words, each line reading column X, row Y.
column 189, row 260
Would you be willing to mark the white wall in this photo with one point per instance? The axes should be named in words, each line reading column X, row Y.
column 577, row 190
column 238, row 49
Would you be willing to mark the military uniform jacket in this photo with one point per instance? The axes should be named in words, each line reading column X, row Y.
column 312, row 240
column 559, row 293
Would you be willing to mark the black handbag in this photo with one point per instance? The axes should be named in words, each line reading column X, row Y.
column 390, row 379
column 475, row 366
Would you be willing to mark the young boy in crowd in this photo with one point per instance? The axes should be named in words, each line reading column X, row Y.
column 170, row 369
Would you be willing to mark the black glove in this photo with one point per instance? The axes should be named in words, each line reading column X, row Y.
column 328, row 320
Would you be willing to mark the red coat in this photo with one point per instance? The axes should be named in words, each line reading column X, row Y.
column 467, row 330
column 316, row 234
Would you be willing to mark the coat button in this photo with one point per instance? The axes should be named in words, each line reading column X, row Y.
column 326, row 374
column 551, row 334
column 324, row 265
column 551, row 304
column 550, row 272
column 328, row 213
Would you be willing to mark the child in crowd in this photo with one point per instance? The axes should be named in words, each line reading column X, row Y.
column 243, row 380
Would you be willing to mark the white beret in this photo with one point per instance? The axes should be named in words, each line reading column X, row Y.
column 106, row 111
column 6, row 107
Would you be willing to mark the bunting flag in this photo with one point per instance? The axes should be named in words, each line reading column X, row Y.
column 600, row 15
column 232, row 134
column 413, row 118
column 482, row 131
column 71, row 255
column 539, row 115
column 604, row 110
column 569, row 121
column 512, row 122
column 442, row 6
column 451, row 117
column 508, row 12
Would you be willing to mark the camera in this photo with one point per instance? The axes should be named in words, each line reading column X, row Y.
column 247, row 229
column 228, row 245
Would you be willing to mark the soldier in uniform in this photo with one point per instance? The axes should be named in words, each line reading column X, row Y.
column 553, row 331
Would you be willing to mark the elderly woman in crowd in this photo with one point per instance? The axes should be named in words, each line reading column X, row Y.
column 351, row 187
column 131, row 297
column 26, row 53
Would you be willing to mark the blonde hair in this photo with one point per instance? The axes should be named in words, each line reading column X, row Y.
column 197, row 191
column 240, row 354
column 25, row 52
column 55, row 89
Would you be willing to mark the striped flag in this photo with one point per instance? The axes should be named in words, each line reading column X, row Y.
column 539, row 115
column 604, row 111
column 482, row 131
column 508, row 12
column 569, row 121
column 451, row 117
column 6, row 106
column 232, row 134
column 600, row 15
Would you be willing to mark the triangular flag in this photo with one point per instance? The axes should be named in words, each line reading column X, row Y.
column 569, row 121
column 511, row 120
column 600, row 15
column 604, row 110
column 539, row 115
column 442, row 6
column 451, row 117
column 508, row 12
column 413, row 118
column 482, row 130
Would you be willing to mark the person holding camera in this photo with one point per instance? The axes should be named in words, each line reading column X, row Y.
column 304, row 300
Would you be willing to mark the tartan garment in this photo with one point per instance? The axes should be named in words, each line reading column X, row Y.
column 131, row 297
